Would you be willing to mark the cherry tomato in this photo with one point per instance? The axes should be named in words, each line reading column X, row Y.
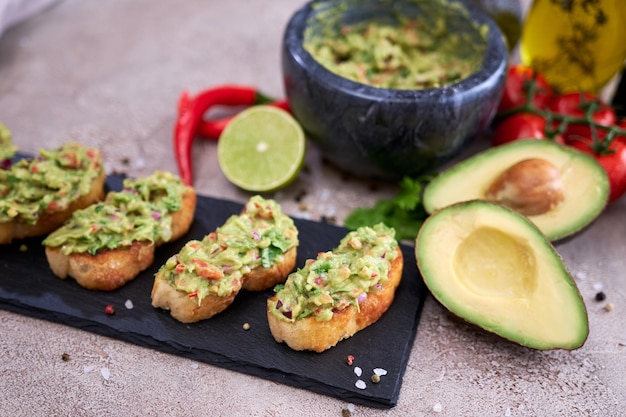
column 613, row 163
column 516, row 87
column 521, row 126
column 576, row 104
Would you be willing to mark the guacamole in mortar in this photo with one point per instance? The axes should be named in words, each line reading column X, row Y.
column 411, row 54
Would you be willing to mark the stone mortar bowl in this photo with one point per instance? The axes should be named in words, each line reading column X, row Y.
column 381, row 133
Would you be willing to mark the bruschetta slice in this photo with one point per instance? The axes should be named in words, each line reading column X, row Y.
column 109, row 243
column 254, row 250
column 339, row 293
column 37, row 195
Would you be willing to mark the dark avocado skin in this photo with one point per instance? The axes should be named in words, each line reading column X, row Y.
column 387, row 134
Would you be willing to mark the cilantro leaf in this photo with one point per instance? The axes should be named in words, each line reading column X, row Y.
column 404, row 212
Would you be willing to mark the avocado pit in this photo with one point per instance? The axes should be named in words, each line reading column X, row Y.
column 531, row 187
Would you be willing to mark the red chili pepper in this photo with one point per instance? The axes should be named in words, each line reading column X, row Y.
column 212, row 129
column 190, row 118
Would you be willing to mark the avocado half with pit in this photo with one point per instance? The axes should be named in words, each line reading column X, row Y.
column 494, row 268
column 560, row 189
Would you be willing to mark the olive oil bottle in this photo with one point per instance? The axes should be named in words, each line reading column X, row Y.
column 577, row 44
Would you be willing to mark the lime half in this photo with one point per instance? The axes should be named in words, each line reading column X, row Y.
column 261, row 149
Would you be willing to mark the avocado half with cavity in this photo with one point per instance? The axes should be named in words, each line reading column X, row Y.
column 560, row 189
column 494, row 268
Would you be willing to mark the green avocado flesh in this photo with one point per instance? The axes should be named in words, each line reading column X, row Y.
column 584, row 182
column 492, row 267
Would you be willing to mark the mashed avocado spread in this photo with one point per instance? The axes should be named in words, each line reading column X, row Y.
column 259, row 236
column 7, row 149
column 47, row 183
column 338, row 279
column 141, row 211
column 412, row 54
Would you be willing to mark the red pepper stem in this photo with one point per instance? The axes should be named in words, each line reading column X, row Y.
column 262, row 98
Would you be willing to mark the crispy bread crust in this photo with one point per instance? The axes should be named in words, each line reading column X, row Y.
column 106, row 270
column 187, row 310
column 110, row 269
column 318, row 336
column 50, row 221
column 183, row 308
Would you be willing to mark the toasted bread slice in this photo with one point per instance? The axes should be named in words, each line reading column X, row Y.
column 38, row 195
column 104, row 246
column 107, row 270
column 184, row 306
column 254, row 251
column 321, row 305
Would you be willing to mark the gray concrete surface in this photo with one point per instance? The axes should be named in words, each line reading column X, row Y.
column 108, row 73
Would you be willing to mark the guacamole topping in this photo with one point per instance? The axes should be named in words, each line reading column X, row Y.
column 47, row 183
column 7, row 149
column 215, row 265
column 141, row 211
column 335, row 280
column 409, row 54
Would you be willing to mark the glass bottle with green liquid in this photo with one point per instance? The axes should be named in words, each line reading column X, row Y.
column 579, row 45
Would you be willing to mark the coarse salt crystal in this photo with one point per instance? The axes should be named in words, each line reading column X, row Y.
column 105, row 373
column 507, row 412
column 351, row 408
column 88, row 369
column 581, row 275
column 597, row 286
column 358, row 371
column 194, row 365
column 380, row 371
column 437, row 408
column 360, row 384
column 129, row 304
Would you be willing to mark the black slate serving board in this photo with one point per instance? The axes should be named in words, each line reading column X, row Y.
column 28, row 287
